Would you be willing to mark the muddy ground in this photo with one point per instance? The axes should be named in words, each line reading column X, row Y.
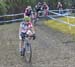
column 50, row 49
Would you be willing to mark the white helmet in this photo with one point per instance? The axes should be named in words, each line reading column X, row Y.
column 29, row 7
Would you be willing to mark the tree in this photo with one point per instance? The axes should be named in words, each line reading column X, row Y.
column 18, row 6
column 3, row 7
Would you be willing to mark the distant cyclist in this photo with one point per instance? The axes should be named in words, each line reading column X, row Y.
column 26, row 27
column 28, row 11
column 38, row 8
column 45, row 8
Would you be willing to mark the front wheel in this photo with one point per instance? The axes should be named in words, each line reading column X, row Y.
column 34, row 21
column 28, row 52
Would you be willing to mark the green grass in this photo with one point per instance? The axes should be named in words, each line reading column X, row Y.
column 61, row 26
column 69, row 20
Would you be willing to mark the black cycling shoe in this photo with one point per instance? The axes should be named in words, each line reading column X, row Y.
column 22, row 52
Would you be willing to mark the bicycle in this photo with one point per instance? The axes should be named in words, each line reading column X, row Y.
column 34, row 18
column 27, row 52
column 45, row 13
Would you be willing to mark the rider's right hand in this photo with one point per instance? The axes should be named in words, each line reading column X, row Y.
column 34, row 36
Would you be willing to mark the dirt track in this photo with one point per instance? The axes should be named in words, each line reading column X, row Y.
column 50, row 49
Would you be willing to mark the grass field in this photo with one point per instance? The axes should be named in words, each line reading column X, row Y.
column 69, row 20
column 62, row 27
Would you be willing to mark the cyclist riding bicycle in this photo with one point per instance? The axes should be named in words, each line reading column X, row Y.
column 26, row 27
column 28, row 11
column 38, row 8
column 60, row 7
column 45, row 8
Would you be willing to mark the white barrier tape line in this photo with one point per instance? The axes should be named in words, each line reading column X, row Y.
column 22, row 19
column 64, row 15
column 63, row 10
column 12, row 15
column 41, row 16
column 41, row 11
column 58, row 13
column 70, row 9
column 23, row 13
column 61, row 21
column 57, row 20
column 54, row 15
column 11, row 20
column 71, row 16
column 72, row 24
column 58, row 10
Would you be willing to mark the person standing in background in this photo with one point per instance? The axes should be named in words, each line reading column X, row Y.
column 60, row 7
column 45, row 8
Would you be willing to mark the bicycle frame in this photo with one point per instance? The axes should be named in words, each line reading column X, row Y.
column 27, row 47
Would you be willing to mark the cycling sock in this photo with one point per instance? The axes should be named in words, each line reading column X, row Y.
column 20, row 49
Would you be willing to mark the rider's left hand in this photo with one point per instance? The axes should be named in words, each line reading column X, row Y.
column 34, row 36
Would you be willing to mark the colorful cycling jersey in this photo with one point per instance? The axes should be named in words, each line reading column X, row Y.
column 28, row 12
column 38, row 7
column 25, row 27
column 45, row 7
column 59, row 5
